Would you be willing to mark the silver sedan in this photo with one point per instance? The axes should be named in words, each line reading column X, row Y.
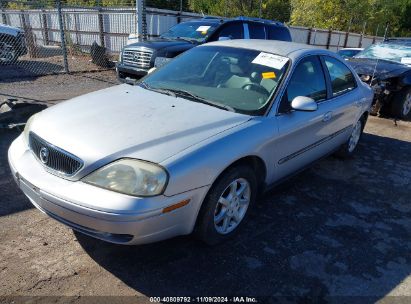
column 189, row 147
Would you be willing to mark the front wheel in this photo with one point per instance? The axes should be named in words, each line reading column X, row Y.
column 349, row 147
column 401, row 103
column 8, row 53
column 226, row 205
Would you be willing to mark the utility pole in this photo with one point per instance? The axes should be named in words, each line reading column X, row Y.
column 141, row 19
column 386, row 30
column 261, row 3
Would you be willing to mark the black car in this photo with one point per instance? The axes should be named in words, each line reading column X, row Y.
column 12, row 44
column 136, row 59
column 386, row 67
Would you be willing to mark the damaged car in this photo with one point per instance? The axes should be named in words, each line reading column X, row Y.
column 386, row 67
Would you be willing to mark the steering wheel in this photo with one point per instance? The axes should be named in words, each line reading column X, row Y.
column 255, row 87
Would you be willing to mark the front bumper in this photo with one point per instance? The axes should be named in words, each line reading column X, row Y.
column 101, row 213
column 124, row 71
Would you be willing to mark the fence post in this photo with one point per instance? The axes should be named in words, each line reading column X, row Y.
column 329, row 39
column 309, row 36
column 62, row 36
column 31, row 45
column 45, row 27
column 3, row 16
column 101, row 27
column 347, row 34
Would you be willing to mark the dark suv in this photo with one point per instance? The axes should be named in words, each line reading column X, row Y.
column 137, row 58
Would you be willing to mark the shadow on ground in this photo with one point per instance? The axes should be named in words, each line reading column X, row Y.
column 12, row 200
column 337, row 229
column 27, row 69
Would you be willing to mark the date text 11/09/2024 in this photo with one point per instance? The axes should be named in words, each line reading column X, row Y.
column 203, row 300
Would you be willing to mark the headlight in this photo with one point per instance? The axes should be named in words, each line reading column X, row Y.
column 365, row 78
column 120, row 56
column 27, row 128
column 130, row 176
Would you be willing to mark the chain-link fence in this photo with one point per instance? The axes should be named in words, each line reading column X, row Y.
column 60, row 39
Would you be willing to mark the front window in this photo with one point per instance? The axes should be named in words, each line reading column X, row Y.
column 241, row 80
column 196, row 31
column 387, row 51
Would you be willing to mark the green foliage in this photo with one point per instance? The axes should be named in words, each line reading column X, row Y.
column 354, row 15
column 270, row 9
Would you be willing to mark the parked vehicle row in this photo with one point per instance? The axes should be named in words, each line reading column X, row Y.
column 190, row 146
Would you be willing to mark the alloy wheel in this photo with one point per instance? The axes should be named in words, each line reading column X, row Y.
column 232, row 206
column 406, row 108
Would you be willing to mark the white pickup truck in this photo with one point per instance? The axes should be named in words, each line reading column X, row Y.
column 12, row 44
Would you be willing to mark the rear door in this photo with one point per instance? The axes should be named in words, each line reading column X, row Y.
column 345, row 100
column 229, row 30
column 256, row 30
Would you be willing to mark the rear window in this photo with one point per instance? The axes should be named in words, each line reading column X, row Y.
column 278, row 33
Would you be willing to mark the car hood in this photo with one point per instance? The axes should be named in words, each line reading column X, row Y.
column 9, row 30
column 129, row 121
column 159, row 43
column 383, row 68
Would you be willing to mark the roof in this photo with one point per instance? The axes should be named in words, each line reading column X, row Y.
column 9, row 30
column 282, row 48
column 351, row 49
column 240, row 18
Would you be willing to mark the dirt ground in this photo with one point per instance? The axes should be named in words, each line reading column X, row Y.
column 338, row 232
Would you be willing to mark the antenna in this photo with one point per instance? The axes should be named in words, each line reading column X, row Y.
column 373, row 72
column 202, row 13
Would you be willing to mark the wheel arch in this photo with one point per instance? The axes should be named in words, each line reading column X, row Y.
column 253, row 161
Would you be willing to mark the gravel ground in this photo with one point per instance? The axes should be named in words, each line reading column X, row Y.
column 339, row 231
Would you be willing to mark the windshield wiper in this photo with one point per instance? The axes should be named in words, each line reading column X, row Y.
column 146, row 86
column 187, row 39
column 200, row 99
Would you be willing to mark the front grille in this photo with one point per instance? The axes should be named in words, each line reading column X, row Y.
column 140, row 58
column 54, row 158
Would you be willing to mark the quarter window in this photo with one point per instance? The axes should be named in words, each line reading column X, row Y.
column 342, row 80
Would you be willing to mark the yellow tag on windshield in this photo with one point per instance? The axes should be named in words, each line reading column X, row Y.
column 204, row 32
column 268, row 75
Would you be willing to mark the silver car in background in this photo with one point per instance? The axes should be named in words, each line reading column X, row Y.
column 191, row 146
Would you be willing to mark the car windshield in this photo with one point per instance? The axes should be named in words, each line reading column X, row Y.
column 195, row 30
column 387, row 51
column 241, row 80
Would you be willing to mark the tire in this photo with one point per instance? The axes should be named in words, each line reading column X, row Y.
column 401, row 103
column 349, row 147
column 217, row 221
column 8, row 53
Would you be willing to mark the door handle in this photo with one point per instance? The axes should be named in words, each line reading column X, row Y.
column 327, row 116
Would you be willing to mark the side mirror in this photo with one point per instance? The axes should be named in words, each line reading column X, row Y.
column 303, row 103
column 223, row 38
